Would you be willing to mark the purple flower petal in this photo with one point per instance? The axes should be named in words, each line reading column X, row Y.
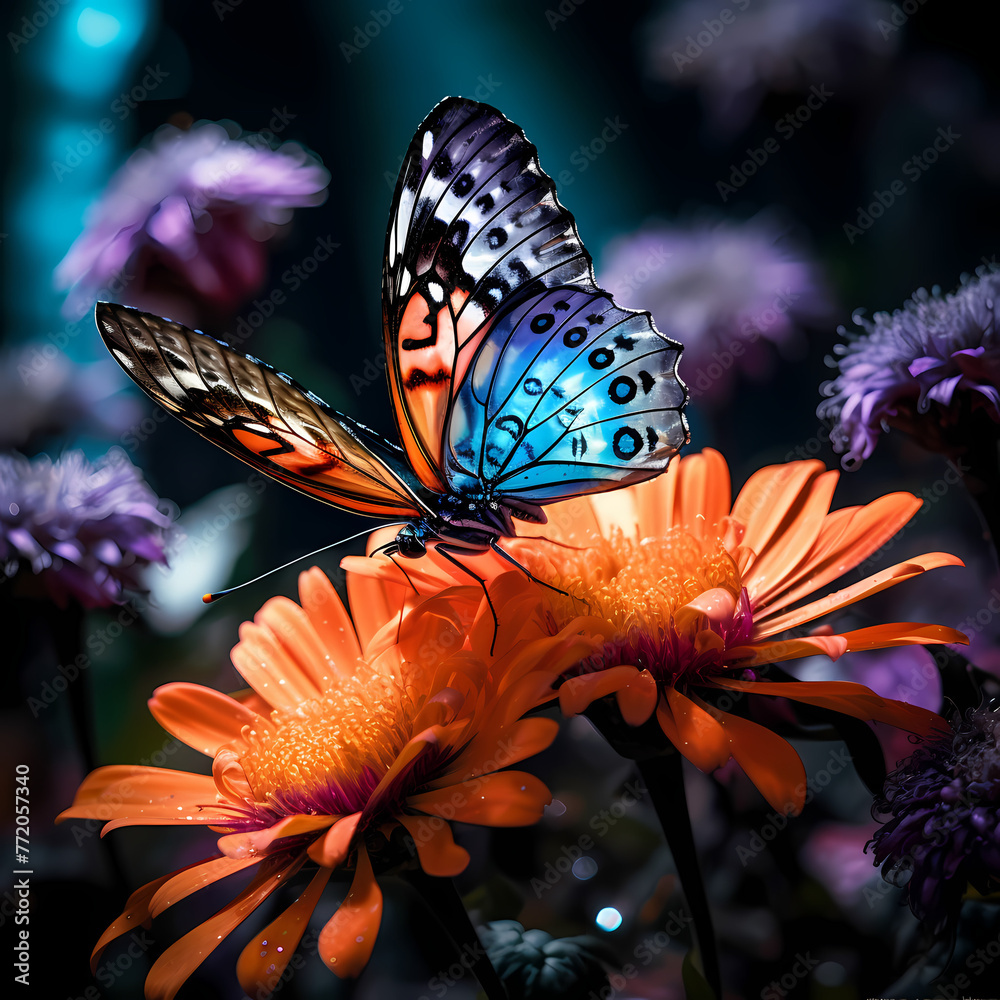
column 933, row 348
column 87, row 529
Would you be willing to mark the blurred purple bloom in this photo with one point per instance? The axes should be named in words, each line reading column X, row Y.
column 909, row 359
column 43, row 393
column 834, row 853
column 192, row 209
column 767, row 46
column 86, row 529
column 944, row 830
column 718, row 288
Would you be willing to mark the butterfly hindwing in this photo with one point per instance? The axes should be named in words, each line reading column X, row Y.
column 474, row 222
column 261, row 416
column 569, row 394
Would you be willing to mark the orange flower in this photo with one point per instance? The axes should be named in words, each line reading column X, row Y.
column 691, row 594
column 340, row 744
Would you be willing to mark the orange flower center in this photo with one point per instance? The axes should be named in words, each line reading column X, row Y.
column 328, row 755
column 676, row 601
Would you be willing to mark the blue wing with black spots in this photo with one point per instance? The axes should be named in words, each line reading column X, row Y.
column 568, row 394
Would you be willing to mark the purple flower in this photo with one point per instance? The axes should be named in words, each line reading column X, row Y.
column 86, row 530
column 944, row 825
column 719, row 288
column 915, row 360
column 43, row 392
column 189, row 212
column 767, row 45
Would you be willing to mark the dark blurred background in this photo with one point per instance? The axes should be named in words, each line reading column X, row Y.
column 561, row 70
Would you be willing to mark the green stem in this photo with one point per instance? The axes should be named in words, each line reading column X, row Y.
column 664, row 778
column 444, row 902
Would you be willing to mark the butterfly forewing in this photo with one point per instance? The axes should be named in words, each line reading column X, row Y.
column 261, row 416
column 475, row 220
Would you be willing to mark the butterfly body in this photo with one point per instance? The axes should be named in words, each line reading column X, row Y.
column 515, row 380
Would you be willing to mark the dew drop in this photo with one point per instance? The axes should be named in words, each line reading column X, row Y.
column 279, row 949
column 360, row 938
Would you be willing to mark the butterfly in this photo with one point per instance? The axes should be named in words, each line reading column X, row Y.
column 515, row 380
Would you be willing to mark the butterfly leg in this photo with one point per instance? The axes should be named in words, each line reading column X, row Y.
column 494, row 545
column 482, row 583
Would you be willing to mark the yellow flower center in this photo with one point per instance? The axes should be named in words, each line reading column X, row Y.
column 639, row 586
column 330, row 753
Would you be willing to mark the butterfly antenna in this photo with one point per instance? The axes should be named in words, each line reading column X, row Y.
column 212, row 598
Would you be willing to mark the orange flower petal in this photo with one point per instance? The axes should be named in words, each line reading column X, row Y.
column 174, row 966
column 847, row 538
column 769, row 762
column 346, row 942
column 508, row 798
column 578, row 692
column 330, row 619
column 637, row 700
column 332, row 848
column 201, row 717
column 500, row 747
column 135, row 914
column 134, row 794
column 247, row 844
column 266, row 957
column 778, row 650
column 771, row 495
column 863, row 588
column 847, row 697
column 190, row 880
column 375, row 601
column 269, row 670
column 292, row 628
column 701, row 498
column 400, row 768
column 439, row 854
column 793, row 539
column 717, row 605
column 902, row 634
column 693, row 731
